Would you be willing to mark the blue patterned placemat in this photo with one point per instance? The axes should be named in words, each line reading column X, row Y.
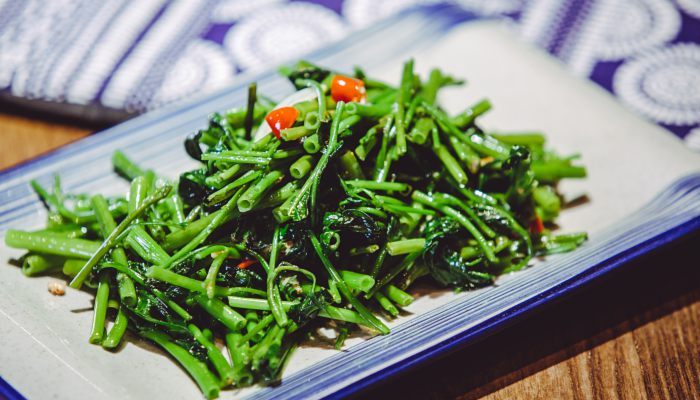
column 136, row 55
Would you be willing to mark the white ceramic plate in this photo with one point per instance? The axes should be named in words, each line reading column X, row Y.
column 643, row 183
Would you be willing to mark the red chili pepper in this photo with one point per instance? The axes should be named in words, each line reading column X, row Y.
column 347, row 89
column 536, row 225
column 281, row 118
column 246, row 263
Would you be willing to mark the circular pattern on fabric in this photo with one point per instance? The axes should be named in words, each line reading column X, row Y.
column 638, row 25
column 281, row 33
column 491, row 7
column 692, row 139
column 362, row 13
column 692, row 7
column 663, row 84
column 228, row 11
column 202, row 67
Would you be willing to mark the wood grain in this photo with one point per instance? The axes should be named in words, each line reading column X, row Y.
column 22, row 138
column 635, row 335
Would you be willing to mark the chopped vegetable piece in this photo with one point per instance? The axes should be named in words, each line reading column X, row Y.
column 246, row 263
column 347, row 89
column 281, row 118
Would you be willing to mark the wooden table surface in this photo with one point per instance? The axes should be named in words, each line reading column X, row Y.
column 635, row 335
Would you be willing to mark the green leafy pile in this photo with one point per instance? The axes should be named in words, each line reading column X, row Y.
column 329, row 220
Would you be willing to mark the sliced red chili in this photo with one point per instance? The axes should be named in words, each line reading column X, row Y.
column 537, row 226
column 246, row 263
column 281, row 118
column 347, row 89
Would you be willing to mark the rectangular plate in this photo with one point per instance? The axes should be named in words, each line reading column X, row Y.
column 632, row 164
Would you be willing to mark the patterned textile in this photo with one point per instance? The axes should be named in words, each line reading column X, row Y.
column 137, row 55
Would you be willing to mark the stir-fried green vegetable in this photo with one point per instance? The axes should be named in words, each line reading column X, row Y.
column 352, row 197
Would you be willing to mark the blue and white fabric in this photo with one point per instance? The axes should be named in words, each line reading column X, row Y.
column 133, row 56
